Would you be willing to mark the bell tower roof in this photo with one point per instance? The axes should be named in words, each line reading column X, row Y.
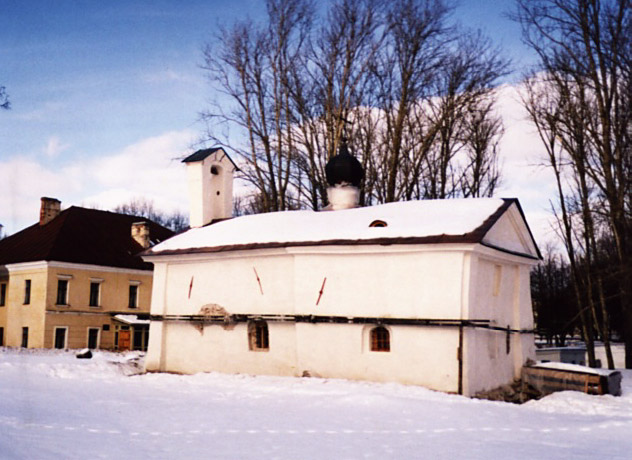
column 202, row 154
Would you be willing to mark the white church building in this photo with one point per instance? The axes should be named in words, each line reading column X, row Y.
column 433, row 293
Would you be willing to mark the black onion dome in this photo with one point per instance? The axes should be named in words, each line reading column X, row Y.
column 344, row 168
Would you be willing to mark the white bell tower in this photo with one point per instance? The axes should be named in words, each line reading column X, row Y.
column 210, row 177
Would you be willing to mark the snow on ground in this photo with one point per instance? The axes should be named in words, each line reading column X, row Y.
column 54, row 406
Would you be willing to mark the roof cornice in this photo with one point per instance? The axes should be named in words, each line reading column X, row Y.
column 43, row 264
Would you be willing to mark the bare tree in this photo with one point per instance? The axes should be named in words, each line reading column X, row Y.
column 551, row 289
column 413, row 51
column 480, row 172
column 395, row 79
column 4, row 98
column 468, row 129
column 544, row 108
column 141, row 207
column 331, row 87
column 251, row 64
column 584, row 52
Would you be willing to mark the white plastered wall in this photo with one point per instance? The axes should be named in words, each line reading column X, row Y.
column 400, row 282
column 433, row 282
column 191, row 348
column 419, row 355
column 499, row 291
column 413, row 283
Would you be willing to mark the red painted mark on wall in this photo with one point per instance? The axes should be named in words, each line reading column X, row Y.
column 322, row 288
column 258, row 280
column 190, row 287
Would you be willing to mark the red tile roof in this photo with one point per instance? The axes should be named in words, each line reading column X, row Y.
column 84, row 236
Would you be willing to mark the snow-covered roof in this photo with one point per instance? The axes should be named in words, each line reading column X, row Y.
column 131, row 319
column 575, row 368
column 427, row 221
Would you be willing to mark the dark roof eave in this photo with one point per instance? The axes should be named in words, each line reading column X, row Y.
column 524, row 218
column 433, row 239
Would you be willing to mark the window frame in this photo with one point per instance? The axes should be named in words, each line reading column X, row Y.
column 27, row 292
column 3, row 294
column 258, row 335
column 62, row 293
column 25, row 337
column 380, row 339
column 133, row 285
column 65, row 329
column 98, row 344
column 61, row 279
column 95, row 282
column 139, row 338
column 1, row 336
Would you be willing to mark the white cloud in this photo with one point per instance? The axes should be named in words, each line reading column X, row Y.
column 54, row 147
column 149, row 169
column 26, row 181
column 522, row 154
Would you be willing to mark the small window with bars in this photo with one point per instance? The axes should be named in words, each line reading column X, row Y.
column 380, row 339
column 258, row 336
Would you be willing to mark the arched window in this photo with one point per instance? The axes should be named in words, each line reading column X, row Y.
column 380, row 339
column 258, row 336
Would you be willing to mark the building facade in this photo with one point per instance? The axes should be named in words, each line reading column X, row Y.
column 433, row 293
column 75, row 280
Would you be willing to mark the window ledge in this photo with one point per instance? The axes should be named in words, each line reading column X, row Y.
column 66, row 305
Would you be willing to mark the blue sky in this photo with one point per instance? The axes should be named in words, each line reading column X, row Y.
column 106, row 94
column 102, row 75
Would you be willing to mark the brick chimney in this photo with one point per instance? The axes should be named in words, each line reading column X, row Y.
column 140, row 232
column 49, row 209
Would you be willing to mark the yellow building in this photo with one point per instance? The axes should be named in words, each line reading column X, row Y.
column 75, row 280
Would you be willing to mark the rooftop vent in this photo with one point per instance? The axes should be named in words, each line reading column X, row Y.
column 378, row 223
